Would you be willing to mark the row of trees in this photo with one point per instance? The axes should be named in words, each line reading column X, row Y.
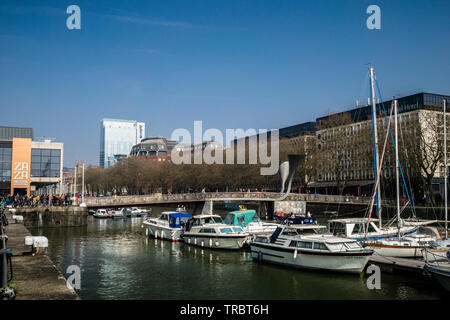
column 139, row 176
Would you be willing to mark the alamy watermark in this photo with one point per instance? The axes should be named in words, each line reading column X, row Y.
column 74, row 280
column 74, row 20
column 374, row 20
column 374, row 281
column 213, row 151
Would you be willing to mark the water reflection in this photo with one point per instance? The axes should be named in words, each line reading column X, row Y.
column 118, row 261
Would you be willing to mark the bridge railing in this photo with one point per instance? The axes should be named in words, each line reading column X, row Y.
column 180, row 197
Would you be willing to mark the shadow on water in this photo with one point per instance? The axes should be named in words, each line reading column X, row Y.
column 117, row 261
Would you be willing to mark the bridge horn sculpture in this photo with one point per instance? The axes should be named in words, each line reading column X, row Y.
column 287, row 171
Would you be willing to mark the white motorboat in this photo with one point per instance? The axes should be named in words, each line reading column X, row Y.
column 101, row 214
column 138, row 212
column 310, row 246
column 209, row 231
column 170, row 225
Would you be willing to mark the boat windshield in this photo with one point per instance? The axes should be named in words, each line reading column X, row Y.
column 210, row 220
column 304, row 232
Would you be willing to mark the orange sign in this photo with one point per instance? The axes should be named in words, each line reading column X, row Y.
column 21, row 163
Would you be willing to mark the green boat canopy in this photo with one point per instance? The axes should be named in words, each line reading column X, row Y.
column 241, row 218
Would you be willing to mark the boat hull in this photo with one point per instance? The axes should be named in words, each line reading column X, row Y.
column 432, row 255
column 229, row 242
column 441, row 274
column 161, row 232
column 397, row 251
column 345, row 263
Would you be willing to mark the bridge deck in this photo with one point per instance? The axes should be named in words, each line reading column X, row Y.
column 219, row 196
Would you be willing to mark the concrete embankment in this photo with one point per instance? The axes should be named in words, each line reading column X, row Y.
column 35, row 277
column 53, row 216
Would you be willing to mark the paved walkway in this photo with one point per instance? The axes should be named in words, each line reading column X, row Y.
column 35, row 277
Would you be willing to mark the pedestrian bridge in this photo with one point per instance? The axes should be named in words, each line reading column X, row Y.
column 153, row 199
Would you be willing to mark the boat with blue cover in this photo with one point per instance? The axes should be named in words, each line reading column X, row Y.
column 169, row 225
column 293, row 218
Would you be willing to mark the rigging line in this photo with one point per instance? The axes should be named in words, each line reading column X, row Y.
column 393, row 142
column 378, row 174
column 405, row 152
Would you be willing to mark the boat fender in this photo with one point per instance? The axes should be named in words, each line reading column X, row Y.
column 259, row 255
column 203, row 243
column 146, row 232
column 156, row 234
column 162, row 234
column 217, row 243
column 210, row 242
column 295, row 254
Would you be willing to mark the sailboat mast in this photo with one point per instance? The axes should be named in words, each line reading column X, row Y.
column 397, row 168
column 375, row 133
column 445, row 168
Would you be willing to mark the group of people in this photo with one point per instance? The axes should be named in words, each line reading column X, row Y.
column 34, row 200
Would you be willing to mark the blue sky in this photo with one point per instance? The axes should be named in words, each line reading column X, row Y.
column 231, row 64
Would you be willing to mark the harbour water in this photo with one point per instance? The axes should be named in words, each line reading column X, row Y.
column 117, row 261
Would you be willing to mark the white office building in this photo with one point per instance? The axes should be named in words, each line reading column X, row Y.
column 117, row 137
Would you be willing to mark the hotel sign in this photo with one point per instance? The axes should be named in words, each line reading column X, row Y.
column 21, row 163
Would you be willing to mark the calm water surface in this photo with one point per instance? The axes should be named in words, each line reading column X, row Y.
column 117, row 261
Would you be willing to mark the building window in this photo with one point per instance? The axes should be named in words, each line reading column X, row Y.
column 45, row 163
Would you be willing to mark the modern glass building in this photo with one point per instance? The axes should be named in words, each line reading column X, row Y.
column 117, row 137
column 27, row 165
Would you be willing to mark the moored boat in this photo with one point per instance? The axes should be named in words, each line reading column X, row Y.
column 440, row 270
column 209, row 231
column 170, row 225
column 250, row 222
column 438, row 250
column 101, row 214
column 294, row 218
column 310, row 247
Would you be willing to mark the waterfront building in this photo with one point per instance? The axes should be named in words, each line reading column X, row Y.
column 117, row 137
column 26, row 165
column 344, row 150
column 340, row 147
column 159, row 148
column 152, row 148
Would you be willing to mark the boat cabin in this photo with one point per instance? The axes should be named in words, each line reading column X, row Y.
column 352, row 227
column 201, row 220
column 241, row 218
column 175, row 219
